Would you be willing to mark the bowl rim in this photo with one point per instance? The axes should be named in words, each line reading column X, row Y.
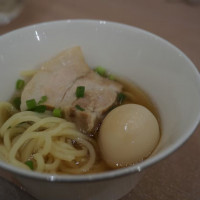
column 113, row 173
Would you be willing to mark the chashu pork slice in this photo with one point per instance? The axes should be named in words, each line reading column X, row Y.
column 100, row 95
column 55, row 77
column 59, row 78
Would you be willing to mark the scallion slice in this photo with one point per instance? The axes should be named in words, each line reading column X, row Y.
column 111, row 77
column 100, row 70
column 80, row 91
column 31, row 104
column 42, row 100
column 17, row 102
column 29, row 163
column 78, row 107
column 57, row 112
column 120, row 98
column 20, row 84
column 40, row 109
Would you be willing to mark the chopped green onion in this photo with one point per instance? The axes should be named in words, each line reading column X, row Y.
column 100, row 70
column 57, row 112
column 80, row 91
column 120, row 98
column 42, row 100
column 79, row 108
column 111, row 77
column 40, row 109
column 29, row 163
column 31, row 104
column 17, row 102
column 20, row 84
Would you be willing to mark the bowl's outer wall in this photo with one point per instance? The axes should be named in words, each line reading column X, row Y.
column 111, row 189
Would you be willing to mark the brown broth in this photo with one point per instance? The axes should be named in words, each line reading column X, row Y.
column 138, row 96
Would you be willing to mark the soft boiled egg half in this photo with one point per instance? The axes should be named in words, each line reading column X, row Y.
column 128, row 134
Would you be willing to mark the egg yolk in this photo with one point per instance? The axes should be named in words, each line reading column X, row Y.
column 128, row 134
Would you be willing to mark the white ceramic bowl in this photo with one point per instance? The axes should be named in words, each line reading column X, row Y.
column 157, row 66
